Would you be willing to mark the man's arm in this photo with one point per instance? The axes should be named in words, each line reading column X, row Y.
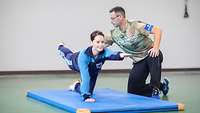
column 157, row 39
column 108, row 40
column 155, row 30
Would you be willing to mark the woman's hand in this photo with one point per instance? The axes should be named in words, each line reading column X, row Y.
column 90, row 100
column 122, row 55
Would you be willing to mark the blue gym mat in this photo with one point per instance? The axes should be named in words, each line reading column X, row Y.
column 107, row 100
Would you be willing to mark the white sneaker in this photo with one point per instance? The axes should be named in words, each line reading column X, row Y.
column 72, row 87
column 61, row 43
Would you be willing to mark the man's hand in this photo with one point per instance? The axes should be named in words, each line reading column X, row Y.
column 153, row 52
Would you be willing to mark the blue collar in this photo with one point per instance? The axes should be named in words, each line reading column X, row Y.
column 89, row 51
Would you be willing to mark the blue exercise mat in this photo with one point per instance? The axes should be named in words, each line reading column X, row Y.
column 107, row 100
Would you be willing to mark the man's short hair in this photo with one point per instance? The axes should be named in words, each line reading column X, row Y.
column 118, row 9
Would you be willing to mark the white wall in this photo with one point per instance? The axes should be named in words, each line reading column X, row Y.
column 30, row 30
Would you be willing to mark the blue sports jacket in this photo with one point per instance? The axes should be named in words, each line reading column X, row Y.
column 89, row 65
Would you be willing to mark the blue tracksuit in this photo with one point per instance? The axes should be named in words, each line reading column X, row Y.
column 88, row 65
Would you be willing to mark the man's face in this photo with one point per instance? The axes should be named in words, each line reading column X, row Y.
column 115, row 19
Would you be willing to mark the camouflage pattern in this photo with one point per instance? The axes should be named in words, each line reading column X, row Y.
column 137, row 44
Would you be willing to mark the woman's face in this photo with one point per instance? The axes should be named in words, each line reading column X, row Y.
column 98, row 43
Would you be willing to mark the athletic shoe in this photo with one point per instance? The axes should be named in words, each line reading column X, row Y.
column 74, row 85
column 61, row 43
column 155, row 93
column 165, row 86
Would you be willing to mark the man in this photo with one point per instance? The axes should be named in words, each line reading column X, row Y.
column 142, row 41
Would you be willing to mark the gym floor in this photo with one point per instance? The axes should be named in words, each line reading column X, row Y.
column 184, row 88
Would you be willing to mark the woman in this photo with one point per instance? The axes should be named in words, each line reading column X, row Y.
column 89, row 62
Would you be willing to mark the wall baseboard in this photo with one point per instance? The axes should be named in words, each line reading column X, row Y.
column 103, row 71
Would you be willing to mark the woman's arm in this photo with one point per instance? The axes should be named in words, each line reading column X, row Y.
column 83, row 62
column 110, row 55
